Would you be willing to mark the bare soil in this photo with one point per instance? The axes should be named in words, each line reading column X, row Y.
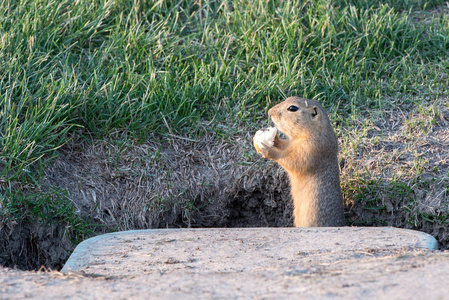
column 356, row 275
column 394, row 172
column 31, row 245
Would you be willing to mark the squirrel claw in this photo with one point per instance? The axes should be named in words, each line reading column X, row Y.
column 263, row 150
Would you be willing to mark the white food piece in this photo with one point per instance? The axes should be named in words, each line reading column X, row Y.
column 265, row 136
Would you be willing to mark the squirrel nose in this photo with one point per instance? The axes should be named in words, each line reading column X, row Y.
column 271, row 111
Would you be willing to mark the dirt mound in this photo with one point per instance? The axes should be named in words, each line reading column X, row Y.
column 171, row 183
column 394, row 173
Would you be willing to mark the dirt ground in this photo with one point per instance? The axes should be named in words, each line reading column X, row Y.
column 253, row 270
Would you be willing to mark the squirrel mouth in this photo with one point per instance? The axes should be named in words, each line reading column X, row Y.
column 280, row 134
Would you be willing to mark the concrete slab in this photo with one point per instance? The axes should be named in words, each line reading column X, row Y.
column 230, row 251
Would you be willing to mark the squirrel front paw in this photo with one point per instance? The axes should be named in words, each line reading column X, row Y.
column 264, row 140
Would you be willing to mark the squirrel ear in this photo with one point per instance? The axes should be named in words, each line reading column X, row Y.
column 314, row 112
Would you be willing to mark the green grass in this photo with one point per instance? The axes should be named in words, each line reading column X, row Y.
column 165, row 67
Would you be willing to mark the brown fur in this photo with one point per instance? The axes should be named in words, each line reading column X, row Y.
column 309, row 155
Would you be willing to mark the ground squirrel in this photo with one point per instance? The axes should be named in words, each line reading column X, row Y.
column 309, row 155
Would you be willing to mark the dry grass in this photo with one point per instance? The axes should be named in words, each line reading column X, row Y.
column 395, row 168
column 167, row 182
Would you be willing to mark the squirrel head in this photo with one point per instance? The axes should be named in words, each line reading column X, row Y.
column 299, row 118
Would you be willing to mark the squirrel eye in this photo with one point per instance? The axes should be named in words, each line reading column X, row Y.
column 293, row 108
